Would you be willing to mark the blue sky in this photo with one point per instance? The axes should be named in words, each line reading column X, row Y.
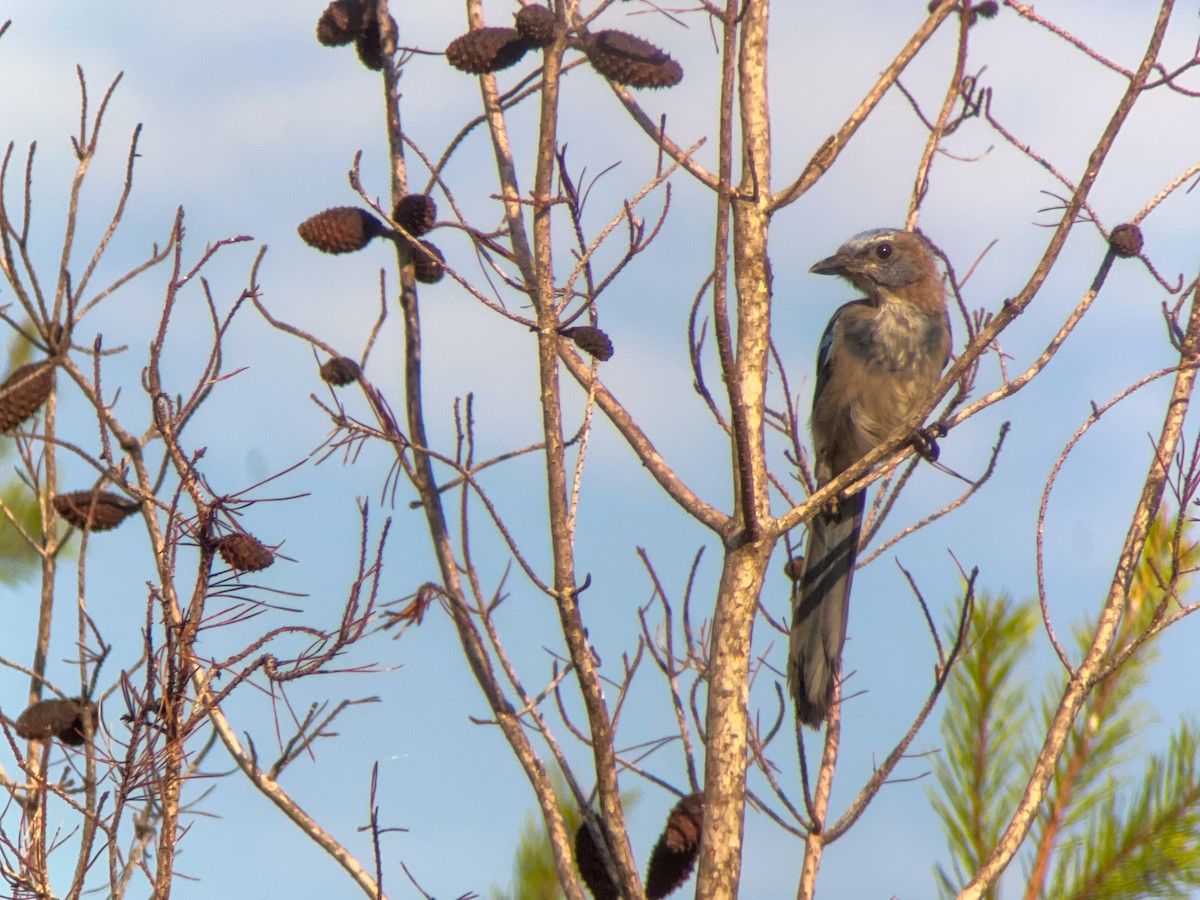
column 251, row 127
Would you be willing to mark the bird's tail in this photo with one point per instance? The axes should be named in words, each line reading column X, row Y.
column 820, row 607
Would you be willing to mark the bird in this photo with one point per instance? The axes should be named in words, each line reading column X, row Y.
column 880, row 358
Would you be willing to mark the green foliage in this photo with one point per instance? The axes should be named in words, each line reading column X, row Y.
column 17, row 559
column 985, row 731
column 1096, row 836
column 1150, row 848
column 534, row 874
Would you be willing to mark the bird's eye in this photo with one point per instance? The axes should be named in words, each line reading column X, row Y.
column 884, row 250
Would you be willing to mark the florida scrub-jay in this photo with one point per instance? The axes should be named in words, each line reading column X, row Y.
column 879, row 359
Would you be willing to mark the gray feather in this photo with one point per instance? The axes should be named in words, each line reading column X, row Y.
column 821, row 607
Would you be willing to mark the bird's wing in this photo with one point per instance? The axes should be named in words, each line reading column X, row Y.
column 827, row 340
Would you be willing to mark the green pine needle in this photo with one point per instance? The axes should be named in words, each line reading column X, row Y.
column 985, row 732
column 1149, row 846
column 1095, row 837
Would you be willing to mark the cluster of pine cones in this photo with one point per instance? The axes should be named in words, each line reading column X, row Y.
column 617, row 55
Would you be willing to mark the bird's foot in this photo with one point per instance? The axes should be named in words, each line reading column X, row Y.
column 925, row 441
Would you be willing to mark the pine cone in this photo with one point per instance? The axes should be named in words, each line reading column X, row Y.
column 536, row 25
column 794, row 568
column 23, row 392
column 341, row 23
column 342, row 229
column 675, row 853
column 71, row 721
column 1126, row 240
column 428, row 269
column 340, row 371
column 630, row 60
column 486, row 50
column 82, row 727
column 590, row 340
column 244, row 552
column 370, row 43
column 590, row 863
column 415, row 213
column 97, row 510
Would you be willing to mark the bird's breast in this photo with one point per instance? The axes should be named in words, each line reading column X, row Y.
column 889, row 361
column 898, row 338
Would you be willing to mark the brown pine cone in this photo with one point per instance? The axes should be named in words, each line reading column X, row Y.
column 486, row 50
column 630, row 60
column 794, row 568
column 674, row 855
column 340, row 371
column 428, row 269
column 71, row 721
column 342, row 229
column 97, row 510
column 23, row 392
column 536, row 25
column 1126, row 240
column 590, row 340
column 82, row 727
column 341, row 23
column 370, row 43
column 244, row 552
column 590, row 863
column 415, row 213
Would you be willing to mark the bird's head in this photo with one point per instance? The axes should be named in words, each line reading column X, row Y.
column 887, row 263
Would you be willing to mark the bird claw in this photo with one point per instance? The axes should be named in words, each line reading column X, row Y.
column 925, row 441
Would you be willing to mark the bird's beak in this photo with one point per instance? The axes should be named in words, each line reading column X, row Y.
column 838, row 264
